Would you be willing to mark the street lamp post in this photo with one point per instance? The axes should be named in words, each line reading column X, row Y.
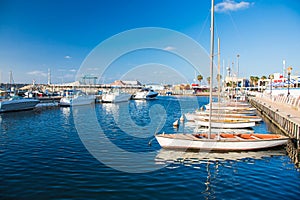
column 237, row 76
column 271, row 76
column 289, row 69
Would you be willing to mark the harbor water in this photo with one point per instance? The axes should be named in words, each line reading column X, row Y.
column 82, row 153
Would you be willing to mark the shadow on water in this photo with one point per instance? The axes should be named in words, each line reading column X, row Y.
column 293, row 149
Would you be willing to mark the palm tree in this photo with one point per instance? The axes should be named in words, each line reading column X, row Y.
column 256, row 78
column 263, row 78
column 252, row 80
column 200, row 78
column 208, row 80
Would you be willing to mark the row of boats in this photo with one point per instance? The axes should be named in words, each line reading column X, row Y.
column 116, row 95
column 228, row 128
column 221, row 115
column 75, row 98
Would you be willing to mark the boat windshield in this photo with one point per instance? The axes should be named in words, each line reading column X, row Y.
column 15, row 98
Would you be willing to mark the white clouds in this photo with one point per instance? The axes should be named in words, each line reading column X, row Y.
column 67, row 70
column 231, row 5
column 37, row 73
column 169, row 48
column 67, row 57
column 93, row 69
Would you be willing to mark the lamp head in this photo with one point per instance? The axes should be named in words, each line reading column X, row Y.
column 289, row 69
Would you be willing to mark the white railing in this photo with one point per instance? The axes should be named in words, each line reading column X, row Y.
column 293, row 101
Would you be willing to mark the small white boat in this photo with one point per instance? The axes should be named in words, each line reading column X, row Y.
column 145, row 93
column 76, row 98
column 223, row 123
column 223, row 130
column 115, row 96
column 17, row 103
column 231, row 104
column 230, row 108
column 231, row 112
column 205, row 115
column 220, row 142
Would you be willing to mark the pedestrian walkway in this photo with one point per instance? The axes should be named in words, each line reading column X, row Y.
column 282, row 106
column 284, row 115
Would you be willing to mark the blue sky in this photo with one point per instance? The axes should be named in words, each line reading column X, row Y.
column 59, row 35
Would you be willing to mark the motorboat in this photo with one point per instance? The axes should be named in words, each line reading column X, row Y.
column 145, row 93
column 115, row 96
column 17, row 103
column 76, row 98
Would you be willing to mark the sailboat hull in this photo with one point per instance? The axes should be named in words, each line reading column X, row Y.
column 225, row 124
column 189, row 141
column 199, row 117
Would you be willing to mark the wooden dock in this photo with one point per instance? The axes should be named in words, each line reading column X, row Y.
column 283, row 113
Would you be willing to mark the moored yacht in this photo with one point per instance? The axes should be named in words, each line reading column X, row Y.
column 17, row 103
column 145, row 93
column 76, row 98
column 115, row 96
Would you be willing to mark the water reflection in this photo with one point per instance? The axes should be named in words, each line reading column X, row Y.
column 111, row 108
column 293, row 148
column 215, row 167
column 190, row 158
column 139, row 103
column 66, row 111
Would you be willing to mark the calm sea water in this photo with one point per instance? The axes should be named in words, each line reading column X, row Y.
column 103, row 152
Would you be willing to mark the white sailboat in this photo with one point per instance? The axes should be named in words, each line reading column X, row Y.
column 229, row 107
column 205, row 115
column 221, row 141
column 225, row 123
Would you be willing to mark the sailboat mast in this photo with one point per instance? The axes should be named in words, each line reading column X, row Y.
column 211, row 66
column 219, row 71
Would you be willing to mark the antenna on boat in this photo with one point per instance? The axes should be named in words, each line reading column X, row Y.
column 49, row 76
column 211, row 66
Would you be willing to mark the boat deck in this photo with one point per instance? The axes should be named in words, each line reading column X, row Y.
column 224, row 136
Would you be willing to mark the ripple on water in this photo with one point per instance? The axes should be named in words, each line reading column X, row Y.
column 42, row 156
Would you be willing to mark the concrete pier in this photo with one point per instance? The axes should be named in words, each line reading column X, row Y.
column 283, row 112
